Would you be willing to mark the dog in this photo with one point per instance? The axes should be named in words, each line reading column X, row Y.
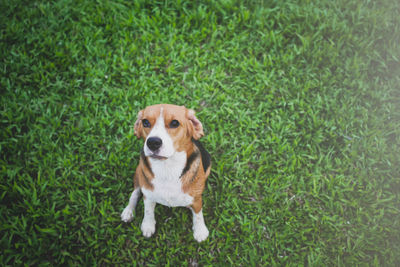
column 173, row 166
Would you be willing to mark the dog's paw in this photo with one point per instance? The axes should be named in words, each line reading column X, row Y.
column 200, row 233
column 148, row 228
column 127, row 215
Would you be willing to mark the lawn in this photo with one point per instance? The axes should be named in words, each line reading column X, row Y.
column 300, row 103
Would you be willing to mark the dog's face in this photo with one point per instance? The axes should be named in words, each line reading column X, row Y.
column 167, row 129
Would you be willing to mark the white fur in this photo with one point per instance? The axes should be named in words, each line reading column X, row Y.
column 200, row 231
column 167, row 185
column 167, row 189
column 167, row 147
column 127, row 214
column 149, row 223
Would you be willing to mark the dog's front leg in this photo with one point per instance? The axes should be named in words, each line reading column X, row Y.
column 127, row 214
column 200, row 231
column 149, row 223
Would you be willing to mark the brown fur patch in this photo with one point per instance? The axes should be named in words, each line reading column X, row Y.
column 197, row 204
column 144, row 174
column 195, row 178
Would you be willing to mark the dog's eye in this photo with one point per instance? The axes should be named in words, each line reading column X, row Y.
column 174, row 124
column 146, row 123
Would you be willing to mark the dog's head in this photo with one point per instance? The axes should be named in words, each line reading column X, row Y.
column 167, row 129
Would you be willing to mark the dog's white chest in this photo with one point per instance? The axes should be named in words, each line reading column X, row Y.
column 167, row 185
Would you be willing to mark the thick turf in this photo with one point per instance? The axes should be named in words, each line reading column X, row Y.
column 300, row 101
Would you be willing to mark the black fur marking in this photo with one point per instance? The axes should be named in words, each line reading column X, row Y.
column 146, row 162
column 146, row 179
column 189, row 162
column 205, row 156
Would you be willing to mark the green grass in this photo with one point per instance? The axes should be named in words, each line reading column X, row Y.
column 300, row 101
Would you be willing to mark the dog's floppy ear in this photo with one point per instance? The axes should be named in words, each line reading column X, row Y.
column 197, row 126
column 138, row 125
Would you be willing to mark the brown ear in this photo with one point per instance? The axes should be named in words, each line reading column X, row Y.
column 197, row 126
column 138, row 125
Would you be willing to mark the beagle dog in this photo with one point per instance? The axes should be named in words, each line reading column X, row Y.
column 173, row 166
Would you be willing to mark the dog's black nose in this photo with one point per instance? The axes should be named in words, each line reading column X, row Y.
column 154, row 143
